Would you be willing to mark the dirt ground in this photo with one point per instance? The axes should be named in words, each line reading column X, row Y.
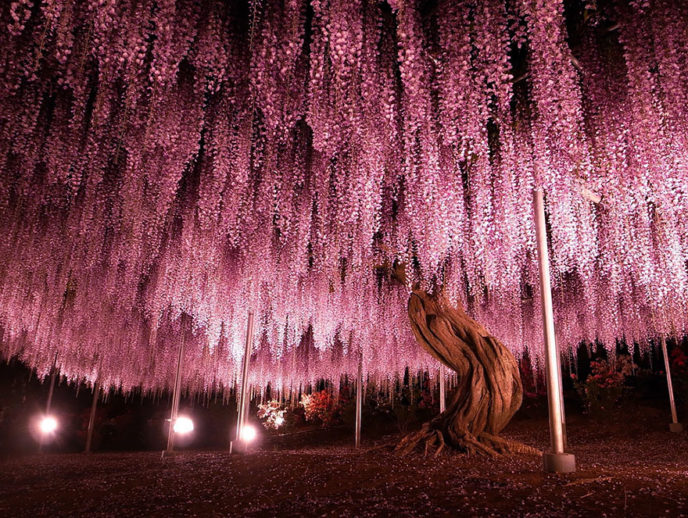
column 625, row 468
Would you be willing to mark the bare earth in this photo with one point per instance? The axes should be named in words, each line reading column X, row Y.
column 625, row 469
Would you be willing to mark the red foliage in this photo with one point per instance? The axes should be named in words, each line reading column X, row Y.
column 321, row 407
column 679, row 362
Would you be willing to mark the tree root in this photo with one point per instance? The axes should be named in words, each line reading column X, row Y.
column 484, row 444
column 508, row 446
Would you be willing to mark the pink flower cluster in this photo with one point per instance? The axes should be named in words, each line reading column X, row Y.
column 168, row 165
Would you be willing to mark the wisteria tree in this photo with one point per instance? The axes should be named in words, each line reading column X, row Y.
column 489, row 391
column 162, row 158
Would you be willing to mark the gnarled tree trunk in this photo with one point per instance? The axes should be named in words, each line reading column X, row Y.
column 489, row 391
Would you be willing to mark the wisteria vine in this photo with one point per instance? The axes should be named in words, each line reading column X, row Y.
column 168, row 165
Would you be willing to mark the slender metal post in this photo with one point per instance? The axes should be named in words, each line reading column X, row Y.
column 561, row 400
column 443, row 398
column 175, row 397
column 359, row 399
column 51, row 390
column 49, row 403
column 92, row 417
column 243, row 401
column 557, row 460
column 674, row 426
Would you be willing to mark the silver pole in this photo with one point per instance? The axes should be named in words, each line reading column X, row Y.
column 51, row 390
column 92, row 417
column 175, row 397
column 561, row 399
column 443, row 400
column 675, row 426
column 359, row 399
column 48, row 404
column 557, row 460
column 244, row 380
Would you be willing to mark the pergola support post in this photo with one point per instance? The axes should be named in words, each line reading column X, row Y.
column 51, row 390
column 243, row 399
column 674, row 426
column 92, row 417
column 359, row 399
column 175, row 397
column 556, row 461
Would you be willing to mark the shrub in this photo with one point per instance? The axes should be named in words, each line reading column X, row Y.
column 679, row 372
column 271, row 414
column 321, row 407
column 604, row 386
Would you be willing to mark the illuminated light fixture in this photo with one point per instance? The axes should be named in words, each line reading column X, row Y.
column 183, row 425
column 47, row 425
column 248, row 433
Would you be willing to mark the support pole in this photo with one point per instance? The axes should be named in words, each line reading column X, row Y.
column 49, row 402
column 555, row 461
column 243, row 400
column 443, row 398
column 92, row 417
column 51, row 390
column 359, row 399
column 674, row 426
column 359, row 393
column 175, row 397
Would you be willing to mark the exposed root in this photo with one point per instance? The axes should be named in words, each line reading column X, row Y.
column 507, row 446
column 485, row 444
column 441, row 443
column 412, row 440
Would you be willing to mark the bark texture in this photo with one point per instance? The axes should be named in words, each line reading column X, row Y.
column 489, row 391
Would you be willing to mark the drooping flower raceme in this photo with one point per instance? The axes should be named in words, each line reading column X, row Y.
column 169, row 165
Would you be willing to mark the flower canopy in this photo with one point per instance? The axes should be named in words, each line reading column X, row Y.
column 169, row 165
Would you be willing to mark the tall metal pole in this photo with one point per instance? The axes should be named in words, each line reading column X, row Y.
column 175, row 397
column 557, row 460
column 92, row 417
column 443, row 399
column 359, row 399
column 49, row 402
column 674, row 426
column 243, row 401
column 51, row 390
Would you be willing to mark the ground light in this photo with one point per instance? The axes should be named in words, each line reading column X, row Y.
column 248, row 433
column 183, row 425
column 47, row 425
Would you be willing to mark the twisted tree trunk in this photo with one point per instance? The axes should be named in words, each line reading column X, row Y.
column 489, row 391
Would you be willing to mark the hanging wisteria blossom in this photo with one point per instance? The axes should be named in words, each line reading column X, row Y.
column 167, row 165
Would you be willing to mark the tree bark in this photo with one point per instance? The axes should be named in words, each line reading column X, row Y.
column 489, row 391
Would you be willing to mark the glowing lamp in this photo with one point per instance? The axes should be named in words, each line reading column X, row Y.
column 47, row 425
column 248, row 433
column 183, row 425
